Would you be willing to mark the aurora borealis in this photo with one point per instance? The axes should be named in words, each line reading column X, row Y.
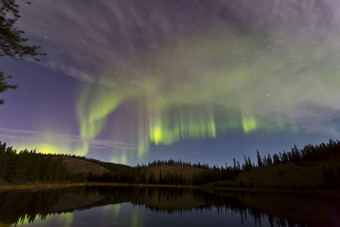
column 133, row 81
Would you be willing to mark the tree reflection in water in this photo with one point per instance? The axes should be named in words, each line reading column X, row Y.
column 19, row 206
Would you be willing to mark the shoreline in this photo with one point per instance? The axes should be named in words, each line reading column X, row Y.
column 91, row 184
column 322, row 192
column 316, row 192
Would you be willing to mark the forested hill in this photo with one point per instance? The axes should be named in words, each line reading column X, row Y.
column 107, row 165
column 318, row 165
column 29, row 166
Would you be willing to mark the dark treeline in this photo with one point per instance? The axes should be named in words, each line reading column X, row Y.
column 29, row 166
column 137, row 174
column 174, row 163
column 210, row 174
column 307, row 153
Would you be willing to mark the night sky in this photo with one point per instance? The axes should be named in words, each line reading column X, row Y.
column 201, row 81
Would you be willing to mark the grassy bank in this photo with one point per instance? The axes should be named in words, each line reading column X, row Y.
column 208, row 188
column 39, row 186
column 65, row 185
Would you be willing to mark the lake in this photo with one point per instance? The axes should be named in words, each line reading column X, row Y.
column 153, row 206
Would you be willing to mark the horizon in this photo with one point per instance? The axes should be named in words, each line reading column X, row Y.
column 227, row 163
column 132, row 82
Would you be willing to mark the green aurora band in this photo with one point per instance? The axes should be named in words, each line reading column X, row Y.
column 163, row 125
column 234, row 93
column 93, row 109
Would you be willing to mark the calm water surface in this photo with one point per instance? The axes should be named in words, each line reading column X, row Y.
column 135, row 206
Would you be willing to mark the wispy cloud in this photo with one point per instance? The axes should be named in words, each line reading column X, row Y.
column 34, row 137
column 269, row 58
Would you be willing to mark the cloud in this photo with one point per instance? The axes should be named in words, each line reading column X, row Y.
column 30, row 137
column 276, row 60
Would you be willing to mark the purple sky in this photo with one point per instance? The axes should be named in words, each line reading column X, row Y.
column 201, row 81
